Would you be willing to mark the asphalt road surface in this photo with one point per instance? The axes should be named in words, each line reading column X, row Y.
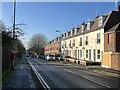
column 60, row 75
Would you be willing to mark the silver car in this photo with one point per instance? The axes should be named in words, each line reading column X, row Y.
column 50, row 57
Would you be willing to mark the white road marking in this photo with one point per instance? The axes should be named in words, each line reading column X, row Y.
column 39, row 77
column 89, row 79
column 96, row 82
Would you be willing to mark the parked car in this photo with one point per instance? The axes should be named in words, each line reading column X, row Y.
column 47, row 57
column 50, row 57
column 58, row 57
column 41, row 56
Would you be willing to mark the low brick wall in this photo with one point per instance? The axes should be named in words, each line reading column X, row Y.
column 71, row 60
column 115, row 61
column 83, row 62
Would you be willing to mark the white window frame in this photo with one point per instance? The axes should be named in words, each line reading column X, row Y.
column 80, row 41
column 86, row 40
column 98, row 37
column 73, row 43
column 100, row 21
column 82, row 28
column 88, row 26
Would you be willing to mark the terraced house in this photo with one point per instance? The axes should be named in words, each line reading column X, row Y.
column 53, row 47
column 86, row 43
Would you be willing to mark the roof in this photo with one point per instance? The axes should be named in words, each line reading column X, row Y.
column 111, row 19
column 114, row 28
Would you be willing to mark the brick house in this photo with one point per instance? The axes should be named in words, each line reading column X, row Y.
column 111, row 54
column 53, row 47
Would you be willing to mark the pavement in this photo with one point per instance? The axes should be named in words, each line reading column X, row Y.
column 20, row 77
column 97, row 69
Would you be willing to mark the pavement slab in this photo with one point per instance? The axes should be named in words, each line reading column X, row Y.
column 20, row 77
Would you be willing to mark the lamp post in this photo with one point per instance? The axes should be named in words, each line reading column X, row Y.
column 59, row 42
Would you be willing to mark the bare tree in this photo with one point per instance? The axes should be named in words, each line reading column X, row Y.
column 2, row 26
column 37, row 43
column 9, row 29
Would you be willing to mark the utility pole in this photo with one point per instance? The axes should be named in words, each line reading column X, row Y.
column 14, row 19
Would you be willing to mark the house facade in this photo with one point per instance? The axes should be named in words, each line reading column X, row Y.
column 111, row 54
column 87, row 42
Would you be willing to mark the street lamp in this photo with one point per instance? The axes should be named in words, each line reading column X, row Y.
column 59, row 41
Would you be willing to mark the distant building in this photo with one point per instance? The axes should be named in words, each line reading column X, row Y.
column 53, row 47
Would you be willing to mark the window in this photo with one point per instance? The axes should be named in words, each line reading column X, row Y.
column 89, row 54
column 70, row 53
column 65, row 35
column 80, row 53
column 69, row 33
column 67, row 52
column 82, row 28
column 100, row 21
column 75, row 53
column 80, row 41
column 98, row 37
column 98, row 54
column 88, row 26
column 73, row 32
column 70, row 44
column 65, row 45
column 109, row 38
column 86, row 53
column 73, row 42
column 86, row 42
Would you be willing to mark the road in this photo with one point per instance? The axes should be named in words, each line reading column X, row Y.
column 60, row 75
